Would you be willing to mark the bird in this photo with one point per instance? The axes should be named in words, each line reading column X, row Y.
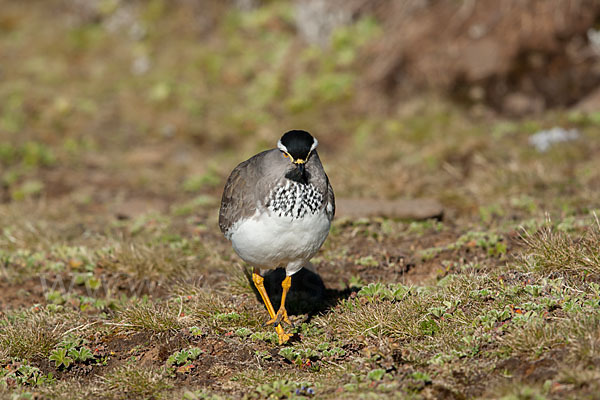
column 276, row 210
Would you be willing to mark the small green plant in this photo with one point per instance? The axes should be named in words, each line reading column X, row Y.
column 282, row 389
column 429, row 327
column 421, row 376
column 523, row 318
column 228, row 317
column 298, row 355
column 490, row 242
column 493, row 316
column 438, row 312
column 367, row 261
column 27, row 189
column 81, row 355
column 376, row 374
column 421, row 227
column 327, row 350
column 356, row 281
column 89, row 280
column 21, row 373
column 263, row 354
column 290, row 353
column 489, row 212
column 55, row 297
column 481, row 294
column 308, row 357
column 61, row 358
column 266, row 336
column 70, row 343
column 534, row 290
column 196, row 331
column 243, row 332
column 201, row 395
column 374, row 291
column 71, row 350
column 184, row 357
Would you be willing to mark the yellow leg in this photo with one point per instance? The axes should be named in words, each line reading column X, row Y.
column 258, row 282
column 282, row 312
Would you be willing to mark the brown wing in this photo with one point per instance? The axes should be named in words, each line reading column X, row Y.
column 240, row 195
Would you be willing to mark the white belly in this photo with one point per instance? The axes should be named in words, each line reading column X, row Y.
column 267, row 240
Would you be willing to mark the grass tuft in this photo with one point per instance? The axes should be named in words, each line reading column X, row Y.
column 134, row 381
column 147, row 261
column 32, row 333
column 555, row 251
column 155, row 317
column 398, row 319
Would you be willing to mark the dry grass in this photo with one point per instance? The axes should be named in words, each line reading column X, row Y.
column 552, row 250
column 378, row 320
column 153, row 317
column 34, row 333
column 148, row 261
column 133, row 381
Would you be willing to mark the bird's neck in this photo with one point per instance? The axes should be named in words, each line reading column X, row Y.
column 298, row 176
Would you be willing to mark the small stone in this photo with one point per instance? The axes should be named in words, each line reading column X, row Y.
column 543, row 140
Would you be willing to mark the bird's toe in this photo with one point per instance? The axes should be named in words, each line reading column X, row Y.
column 280, row 317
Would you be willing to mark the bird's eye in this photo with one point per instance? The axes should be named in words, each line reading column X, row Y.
column 286, row 155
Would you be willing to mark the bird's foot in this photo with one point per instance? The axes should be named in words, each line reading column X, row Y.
column 283, row 337
column 279, row 317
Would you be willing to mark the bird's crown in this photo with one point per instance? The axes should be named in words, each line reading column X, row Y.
column 298, row 144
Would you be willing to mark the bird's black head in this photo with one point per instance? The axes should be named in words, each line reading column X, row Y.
column 297, row 145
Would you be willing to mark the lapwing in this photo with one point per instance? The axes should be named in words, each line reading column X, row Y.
column 276, row 210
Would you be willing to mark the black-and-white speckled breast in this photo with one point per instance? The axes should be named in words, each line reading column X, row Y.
column 295, row 200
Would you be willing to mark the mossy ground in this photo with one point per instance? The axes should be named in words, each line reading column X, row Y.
column 119, row 124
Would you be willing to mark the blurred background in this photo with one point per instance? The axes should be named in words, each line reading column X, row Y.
column 125, row 107
column 120, row 121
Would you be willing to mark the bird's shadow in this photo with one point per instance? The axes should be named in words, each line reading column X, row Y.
column 307, row 295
